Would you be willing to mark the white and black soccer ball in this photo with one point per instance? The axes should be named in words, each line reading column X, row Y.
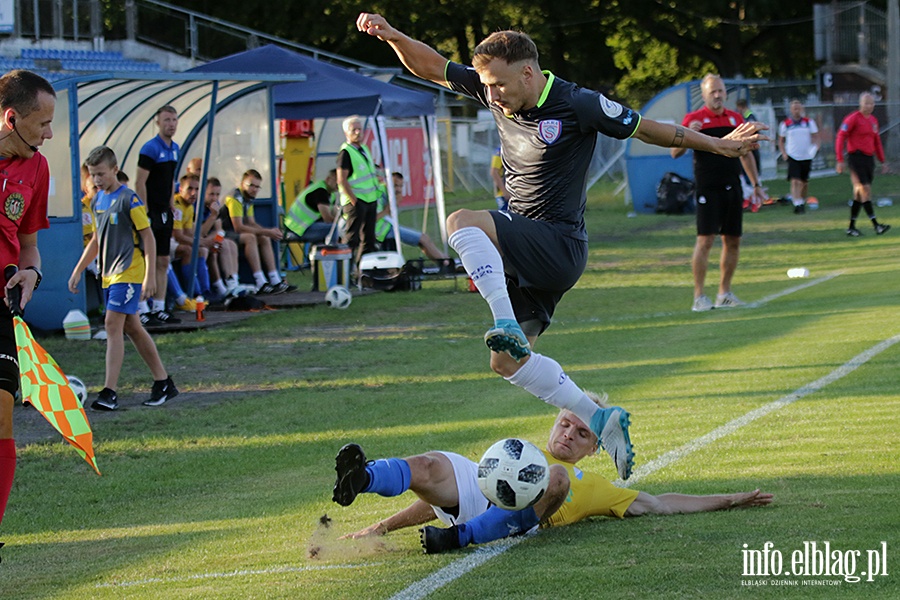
column 513, row 474
column 79, row 388
column 338, row 296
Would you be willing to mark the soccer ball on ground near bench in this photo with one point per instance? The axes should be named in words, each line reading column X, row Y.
column 338, row 297
column 513, row 474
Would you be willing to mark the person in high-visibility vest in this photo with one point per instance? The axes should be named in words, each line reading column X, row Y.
column 358, row 184
column 384, row 231
column 311, row 215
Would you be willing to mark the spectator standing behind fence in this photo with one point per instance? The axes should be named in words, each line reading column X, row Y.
column 798, row 141
column 127, row 249
column 859, row 132
column 240, row 225
column 155, row 185
column 499, row 179
column 358, row 183
column 718, row 194
column 312, row 214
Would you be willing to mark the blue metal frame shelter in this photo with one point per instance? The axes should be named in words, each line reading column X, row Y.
column 235, row 113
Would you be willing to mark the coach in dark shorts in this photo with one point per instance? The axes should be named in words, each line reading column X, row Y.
column 155, row 185
column 719, row 194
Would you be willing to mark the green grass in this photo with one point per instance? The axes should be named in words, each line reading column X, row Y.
column 231, row 479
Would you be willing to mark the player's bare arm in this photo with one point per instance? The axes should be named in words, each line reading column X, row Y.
column 744, row 139
column 421, row 59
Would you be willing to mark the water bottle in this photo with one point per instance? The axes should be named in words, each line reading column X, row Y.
column 217, row 241
column 201, row 306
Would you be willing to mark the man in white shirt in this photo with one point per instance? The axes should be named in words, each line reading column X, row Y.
column 798, row 141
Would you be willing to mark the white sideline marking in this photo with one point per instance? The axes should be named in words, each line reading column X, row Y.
column 791, row 290
column 460, row 567
column 238, row 573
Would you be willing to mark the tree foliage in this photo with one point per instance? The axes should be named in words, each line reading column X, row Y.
column 633, row 48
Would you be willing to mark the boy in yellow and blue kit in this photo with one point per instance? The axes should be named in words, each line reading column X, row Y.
column 127, row 256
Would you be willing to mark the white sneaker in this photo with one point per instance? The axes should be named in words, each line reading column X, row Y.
column 702, row 303
column 727, row 300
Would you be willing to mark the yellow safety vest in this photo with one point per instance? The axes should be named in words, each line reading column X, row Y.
column 363, row 180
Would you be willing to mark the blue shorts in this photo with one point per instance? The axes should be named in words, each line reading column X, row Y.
column 123, row 297
column 408, row 236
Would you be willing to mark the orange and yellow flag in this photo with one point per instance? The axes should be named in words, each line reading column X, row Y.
column 46, row 387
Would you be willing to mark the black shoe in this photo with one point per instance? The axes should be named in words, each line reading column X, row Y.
column 854, row 232
column 350, row 464
column 106, row 400
column 165, row 318
column 148, row 319
column 799, row 209
column 283, row 287
column 266, row 288
column 436, row 540
column 161, row 392
column 882, row 228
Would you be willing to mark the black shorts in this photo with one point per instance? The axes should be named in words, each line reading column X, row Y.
column 541, row 263
column 798, row 169
column 161, row 224
column 863, row 165
column 9, row 355
column 720, row 211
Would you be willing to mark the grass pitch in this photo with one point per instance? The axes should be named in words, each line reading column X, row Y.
column 219, row 494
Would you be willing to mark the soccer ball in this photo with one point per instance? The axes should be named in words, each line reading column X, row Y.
column 338, row 297
column 812, row 203
column 513, row 474
column 79, row 388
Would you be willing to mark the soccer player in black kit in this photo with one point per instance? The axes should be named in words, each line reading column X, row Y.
column 547, row 132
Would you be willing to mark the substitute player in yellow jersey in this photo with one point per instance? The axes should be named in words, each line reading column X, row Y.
column 446, row 486
column 127, row 252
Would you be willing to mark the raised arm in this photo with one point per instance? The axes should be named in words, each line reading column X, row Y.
column 742, row 140
column 423, row 60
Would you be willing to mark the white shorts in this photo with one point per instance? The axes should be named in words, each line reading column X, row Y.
column 471, row 501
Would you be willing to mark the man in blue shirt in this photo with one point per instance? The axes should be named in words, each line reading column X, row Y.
column 155, row 185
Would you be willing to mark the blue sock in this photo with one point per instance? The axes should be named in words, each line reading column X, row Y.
column 388, row 477
column 174, row 284
column 496, row 524
column 186, row 273
column 202, row 277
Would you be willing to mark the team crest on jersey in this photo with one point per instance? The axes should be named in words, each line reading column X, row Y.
column 550, row 129
column 610, row 108
column 732, row 121
column 14, row 206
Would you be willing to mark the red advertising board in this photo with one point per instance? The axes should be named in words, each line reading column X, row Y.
column 408, row 155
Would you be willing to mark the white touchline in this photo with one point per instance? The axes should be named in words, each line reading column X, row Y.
column 791, row 290
column 460, row 567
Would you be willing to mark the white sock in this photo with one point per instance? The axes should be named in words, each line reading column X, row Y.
column 274, row 277
column 159, row 305
column 181, row 299
column 485, row 266
column 220, row 287
column 260, row 279
column 543, row 377
column 799, row 201
column 143, row 307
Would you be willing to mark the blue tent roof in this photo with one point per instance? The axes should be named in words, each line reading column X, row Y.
column 329, row 90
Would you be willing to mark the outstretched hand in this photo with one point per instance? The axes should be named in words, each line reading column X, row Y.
column 376, row 25
column 375, row 530
column 748, row 134
column 748, row 499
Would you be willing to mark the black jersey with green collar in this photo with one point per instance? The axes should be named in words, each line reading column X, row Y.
column 547, row 149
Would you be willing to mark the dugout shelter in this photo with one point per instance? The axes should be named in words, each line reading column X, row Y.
column 232, row 114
